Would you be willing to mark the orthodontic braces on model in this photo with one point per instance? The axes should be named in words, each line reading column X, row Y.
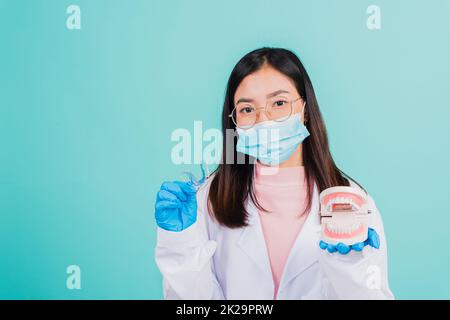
column 345, row 220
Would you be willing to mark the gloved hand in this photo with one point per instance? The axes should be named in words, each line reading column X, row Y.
column 176, row 205
column 372, row 239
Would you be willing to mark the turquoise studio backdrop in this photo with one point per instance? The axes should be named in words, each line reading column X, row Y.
column 88, row 108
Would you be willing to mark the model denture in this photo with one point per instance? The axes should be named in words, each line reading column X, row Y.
column 344, row 215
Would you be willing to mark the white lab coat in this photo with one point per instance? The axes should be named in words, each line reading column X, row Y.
column 210, row 261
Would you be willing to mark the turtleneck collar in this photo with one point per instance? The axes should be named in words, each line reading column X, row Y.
column 275, row 176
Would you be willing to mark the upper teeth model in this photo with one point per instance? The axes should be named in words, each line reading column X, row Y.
column 344, row 215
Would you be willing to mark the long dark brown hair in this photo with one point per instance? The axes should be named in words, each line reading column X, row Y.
column 232, row 183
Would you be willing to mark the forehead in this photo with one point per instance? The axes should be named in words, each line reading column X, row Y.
column 262, row 82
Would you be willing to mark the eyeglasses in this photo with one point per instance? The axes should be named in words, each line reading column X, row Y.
column 244, row 114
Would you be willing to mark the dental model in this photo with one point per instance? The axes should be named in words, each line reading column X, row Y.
column 344, row 215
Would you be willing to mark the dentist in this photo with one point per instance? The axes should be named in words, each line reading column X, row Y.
column 252, row 230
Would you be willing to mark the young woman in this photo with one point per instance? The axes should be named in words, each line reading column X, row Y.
column 253, row 229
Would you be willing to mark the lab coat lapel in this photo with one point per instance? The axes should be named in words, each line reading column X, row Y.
column 252, row 241
column 304, row 251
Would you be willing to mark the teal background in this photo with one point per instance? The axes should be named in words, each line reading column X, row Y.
column 86, row 119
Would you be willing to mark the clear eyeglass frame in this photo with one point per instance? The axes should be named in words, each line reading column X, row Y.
column 233, row 112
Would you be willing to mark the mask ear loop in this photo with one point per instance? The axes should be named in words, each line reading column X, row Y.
column 304, row 116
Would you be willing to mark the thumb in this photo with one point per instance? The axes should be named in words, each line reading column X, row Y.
column 187, row 187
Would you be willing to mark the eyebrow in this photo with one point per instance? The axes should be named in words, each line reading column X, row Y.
column 273, row 94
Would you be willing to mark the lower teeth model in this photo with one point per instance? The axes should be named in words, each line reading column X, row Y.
column 344, row 215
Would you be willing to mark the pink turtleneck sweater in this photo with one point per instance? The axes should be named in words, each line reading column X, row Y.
column 283, row 192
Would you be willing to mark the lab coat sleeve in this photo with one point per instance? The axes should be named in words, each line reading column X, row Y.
column 358, row 275
column 185, row 261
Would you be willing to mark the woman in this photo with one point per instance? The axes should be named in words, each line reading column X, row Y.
column 252, row 230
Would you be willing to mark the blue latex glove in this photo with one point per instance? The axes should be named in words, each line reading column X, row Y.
column 372, row 239
column 176, row 205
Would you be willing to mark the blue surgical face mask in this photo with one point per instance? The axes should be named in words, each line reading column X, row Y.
column 272, row 142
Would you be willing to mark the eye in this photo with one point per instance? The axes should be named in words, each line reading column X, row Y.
column 245, row 110
column 280, row 103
